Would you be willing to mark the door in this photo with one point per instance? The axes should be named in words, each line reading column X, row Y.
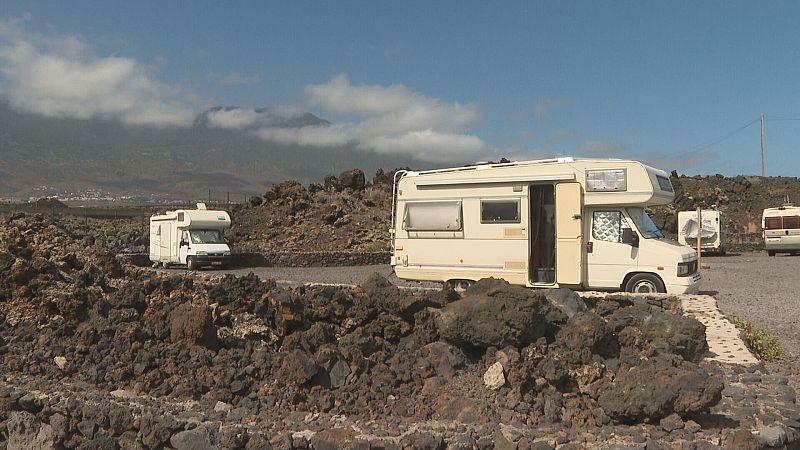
column 569, row 239
column 183, row 250
column 164, row 243
column 608, row 259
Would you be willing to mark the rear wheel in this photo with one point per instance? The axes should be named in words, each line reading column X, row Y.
column 191, row 263
column 645, row 283
column 771, row 252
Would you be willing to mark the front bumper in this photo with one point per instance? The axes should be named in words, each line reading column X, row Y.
column 685, row 285
column 213, row 260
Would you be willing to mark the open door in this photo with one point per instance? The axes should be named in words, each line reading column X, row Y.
column 569, row 239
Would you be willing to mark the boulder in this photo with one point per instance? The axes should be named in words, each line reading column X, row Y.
column 193, row 324
column 495, row 313
column 658, row 387
column 353, row 179
column 664, row 332
column 494, row 378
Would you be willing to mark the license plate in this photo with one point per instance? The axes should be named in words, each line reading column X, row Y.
column 216, row 263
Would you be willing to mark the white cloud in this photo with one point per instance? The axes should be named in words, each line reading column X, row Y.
column 242, row 118
column 59, row 75
column 391, row 119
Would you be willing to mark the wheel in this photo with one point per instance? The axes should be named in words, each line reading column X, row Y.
column 165, row 265
column 460, row 286
column 645, row 283
column 191, row 263
column 771, row 252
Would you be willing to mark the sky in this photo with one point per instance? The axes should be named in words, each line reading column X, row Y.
column 679, row 85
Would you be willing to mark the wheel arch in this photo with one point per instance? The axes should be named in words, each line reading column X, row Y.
column 631, row 274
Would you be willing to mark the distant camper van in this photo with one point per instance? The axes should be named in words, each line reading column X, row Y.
column 190, row 236
column 577, row 223
column 780, row 229
column 710, row 230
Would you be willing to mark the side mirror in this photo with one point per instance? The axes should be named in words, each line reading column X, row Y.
column 630, row 237
column 184, row 243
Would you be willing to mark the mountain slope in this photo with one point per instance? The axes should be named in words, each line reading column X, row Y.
column 72, row 155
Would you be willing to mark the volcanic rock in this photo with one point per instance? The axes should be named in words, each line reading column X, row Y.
column 658, row 387
column 193, row 324
column 496, row 313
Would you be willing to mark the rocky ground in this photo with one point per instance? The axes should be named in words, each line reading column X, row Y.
column 97, row 355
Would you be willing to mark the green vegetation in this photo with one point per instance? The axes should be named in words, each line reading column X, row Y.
column 762, row 343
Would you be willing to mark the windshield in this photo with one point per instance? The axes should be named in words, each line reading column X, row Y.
column 206, row 237
column 644, row 223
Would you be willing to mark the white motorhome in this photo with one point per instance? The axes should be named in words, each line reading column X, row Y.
column 710, row 230
column 577, row 223
column 780, row 229
column 190, row 236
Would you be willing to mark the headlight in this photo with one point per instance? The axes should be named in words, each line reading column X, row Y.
column 200, row 253
column 687, row 268
column 226, row 253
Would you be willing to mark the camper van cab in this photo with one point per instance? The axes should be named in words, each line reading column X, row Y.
column 710, row 230
column 577, row 223
column 780, row 229
column 190, row 236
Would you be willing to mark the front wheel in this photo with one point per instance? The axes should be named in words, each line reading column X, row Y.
column 771, row 252
column 191, row 263
column 645, row 283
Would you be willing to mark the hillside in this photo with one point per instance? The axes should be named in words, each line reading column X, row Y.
column 331, row 216
column 77, row 155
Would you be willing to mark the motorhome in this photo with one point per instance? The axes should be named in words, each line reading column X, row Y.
column 780, row 229
column 193, row 237
column 577, row 223
column 710, row 230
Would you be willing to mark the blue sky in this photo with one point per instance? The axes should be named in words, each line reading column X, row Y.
column 658, row 81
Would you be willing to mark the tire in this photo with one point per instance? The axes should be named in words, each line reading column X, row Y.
column 771, row 252
column 165, row 265
column 191, row 263
column 645, row 283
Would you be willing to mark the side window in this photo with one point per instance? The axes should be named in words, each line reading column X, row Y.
column 607, row 225
column 773, row 223
column 433, row 216
column 791, row 222
column 185, row 236
column 499, row 211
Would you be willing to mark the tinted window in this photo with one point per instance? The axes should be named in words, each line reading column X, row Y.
column 500, row 211
column 791, row 222
column 773, row 223
column 664, row 183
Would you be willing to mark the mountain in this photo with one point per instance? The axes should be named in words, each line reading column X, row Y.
column 68, row 155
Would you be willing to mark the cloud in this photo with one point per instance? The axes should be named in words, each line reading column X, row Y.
column 234, row 78
column 59, row 75
column 244, row 118
column 389, row 119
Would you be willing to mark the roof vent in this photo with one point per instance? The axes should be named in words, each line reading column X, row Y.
column 566, row 159
column 201, row 205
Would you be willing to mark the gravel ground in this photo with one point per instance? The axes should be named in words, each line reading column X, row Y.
column 751, row 286
column 763, row 291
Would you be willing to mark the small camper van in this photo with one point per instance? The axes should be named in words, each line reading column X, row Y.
column 577, row 223
column 710, row 230
column 190, row 236
column 780, row 229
